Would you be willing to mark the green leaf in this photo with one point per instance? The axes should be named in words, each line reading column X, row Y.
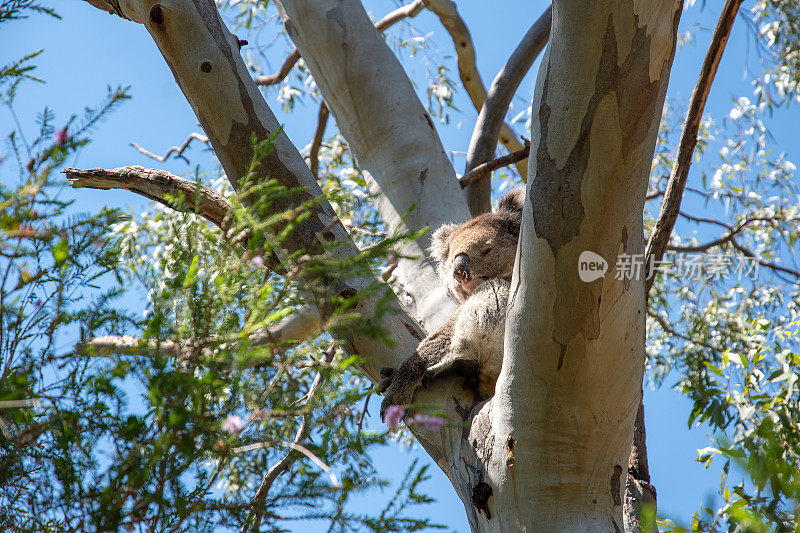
column 61, row 250
column 191, row 274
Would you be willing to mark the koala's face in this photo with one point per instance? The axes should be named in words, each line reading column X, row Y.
column 479, row 249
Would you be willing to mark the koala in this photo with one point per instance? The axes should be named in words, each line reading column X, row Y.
column 474, row 261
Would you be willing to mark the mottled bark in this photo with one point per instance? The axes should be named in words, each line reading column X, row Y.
column 549, row 451
column 570, row 386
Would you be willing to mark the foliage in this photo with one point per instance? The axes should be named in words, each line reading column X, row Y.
column 178, row 432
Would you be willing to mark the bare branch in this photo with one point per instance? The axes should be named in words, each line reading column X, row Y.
column 485, row 168
column 724, row 239
column 764, row 262
column 389, row 20
column 283, row 71
column 294, row 328
column 316, row 142
column 670, row 208
column 177, row 150
column 490, row 119
column 156, row 185
column 448, row 14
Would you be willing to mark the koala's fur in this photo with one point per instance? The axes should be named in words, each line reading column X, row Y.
column 474, row 260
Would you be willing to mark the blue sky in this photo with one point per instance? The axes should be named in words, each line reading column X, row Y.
column 88, row 50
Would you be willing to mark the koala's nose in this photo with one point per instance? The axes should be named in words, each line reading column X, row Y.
column 461, row 268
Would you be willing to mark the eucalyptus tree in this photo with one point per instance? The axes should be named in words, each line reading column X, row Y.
column 560, row 446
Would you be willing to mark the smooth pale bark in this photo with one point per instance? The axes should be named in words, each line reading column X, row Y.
column 389, row 132
column 563, row 414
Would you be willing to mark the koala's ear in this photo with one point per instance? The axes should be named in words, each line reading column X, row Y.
column 512, row 201
column 440, row 242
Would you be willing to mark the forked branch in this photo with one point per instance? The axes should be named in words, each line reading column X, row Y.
column 177, row 150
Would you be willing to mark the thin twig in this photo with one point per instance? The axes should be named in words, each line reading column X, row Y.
column 389, row 20
column 297, row 327
column 361, row 418
column 177, row 150
column 485, row 168
column 670, row 208
column 764, row 262
column 316, row 142
column 732, row 232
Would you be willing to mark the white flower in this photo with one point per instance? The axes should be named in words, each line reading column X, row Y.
column 232, row 424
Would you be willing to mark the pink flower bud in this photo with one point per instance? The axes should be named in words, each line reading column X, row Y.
column 394, row 414
column 62, row 136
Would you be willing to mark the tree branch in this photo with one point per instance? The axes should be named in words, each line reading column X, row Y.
column 483, row 143
column 407, row 11
column 732, row 232
column 673, row 196
column 316, row 142
column 485, row 168
column 670, row 207
column 401, row 154
column 283, row 71
column 297, row 327
column 156, row 185
column 177, row 150
column 448, row 14
column 763, row 262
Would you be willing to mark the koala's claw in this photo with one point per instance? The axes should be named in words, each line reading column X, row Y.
column 387, row 372
column 384, row 385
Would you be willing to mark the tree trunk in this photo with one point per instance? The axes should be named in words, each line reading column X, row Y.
column 565, row 404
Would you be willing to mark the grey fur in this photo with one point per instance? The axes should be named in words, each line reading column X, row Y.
column 470, row 343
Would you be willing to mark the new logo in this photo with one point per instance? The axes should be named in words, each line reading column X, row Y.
column 591, row 266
